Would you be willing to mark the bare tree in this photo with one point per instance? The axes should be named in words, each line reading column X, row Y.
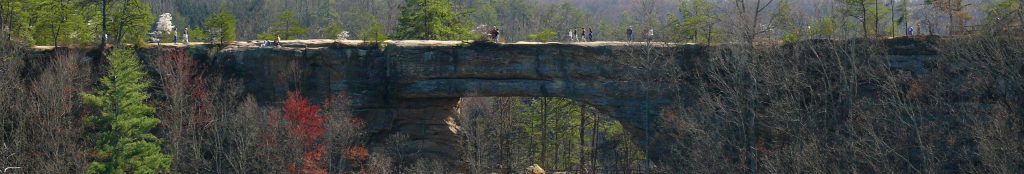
column 48, row 136
column 186, row 110
column 345, row 131
column 748, row 18
column 380, row 164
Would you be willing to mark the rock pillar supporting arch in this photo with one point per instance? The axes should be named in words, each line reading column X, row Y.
column 416, row 129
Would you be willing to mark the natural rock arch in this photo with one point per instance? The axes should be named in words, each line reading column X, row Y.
column 412, row 87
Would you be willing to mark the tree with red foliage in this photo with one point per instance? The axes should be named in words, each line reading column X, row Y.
column 305, row 120
column 357, row 155
column 308, row 126
column 313, row 161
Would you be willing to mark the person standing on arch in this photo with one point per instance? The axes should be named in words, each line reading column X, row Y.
column 277, row 41
column 575, row 35
column 590, row 34
column 570, row 36
column 650, row 34
column 629, row 34
column 185, row 36
column 497, row 35
column 493, row 33
column 583, row 34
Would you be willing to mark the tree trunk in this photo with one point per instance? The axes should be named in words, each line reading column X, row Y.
column 63, row 18
column 3, row 22
column 120, row 28
column 583, row 130
column 748, row 103
column 864, row 19
column 709, row 33
column 103, row 34
column 543, row 130
column 892, row 16
column 949, row 12
column 55, row 36
column 877, row 18
column 558, row 141
column 593, row 144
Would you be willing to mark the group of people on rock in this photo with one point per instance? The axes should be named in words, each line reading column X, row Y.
column 581, row 35
column 185, row 36
column 629, row 34
column 578, row 34
column 174, row 37
column 575, row 35
column 267, row 43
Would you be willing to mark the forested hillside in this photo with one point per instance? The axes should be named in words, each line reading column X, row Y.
column 76, row 22
column 609, row 19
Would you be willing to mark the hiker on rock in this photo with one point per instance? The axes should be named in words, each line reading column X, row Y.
column 569, row 36
column 650, row 34
column 185, row 36
column 575, row 35
column 583, row 34
column 493, row 33
column 629, row 34
column 590, row 34
column 277, row 41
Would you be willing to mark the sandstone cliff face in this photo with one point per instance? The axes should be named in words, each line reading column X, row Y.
column 411, row 87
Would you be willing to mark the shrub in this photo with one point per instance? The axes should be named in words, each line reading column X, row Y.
column 544, row 36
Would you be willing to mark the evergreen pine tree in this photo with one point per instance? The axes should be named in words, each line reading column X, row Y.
column 431, row 20
column 221, row 27
column 288, row 26
column 124, row 143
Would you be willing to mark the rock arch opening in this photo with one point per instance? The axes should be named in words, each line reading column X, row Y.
column 504, row 134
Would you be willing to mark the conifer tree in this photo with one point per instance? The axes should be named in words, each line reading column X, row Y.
column 124, row 143
column 288, row 26
column 221, row 27
column 431, row 20
column 696, row 23
column 374, row 32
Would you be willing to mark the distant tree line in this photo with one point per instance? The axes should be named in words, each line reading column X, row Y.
column 79, row 22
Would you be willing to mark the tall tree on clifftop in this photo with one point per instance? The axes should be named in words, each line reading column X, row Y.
column 858, row 9
column 221, row 27
column 124, row 143
column 431, row 20
column 287, row 26
column 103, row 28
column 130, row 20
column 956, row 10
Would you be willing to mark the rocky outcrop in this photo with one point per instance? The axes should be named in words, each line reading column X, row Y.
column 535, row 169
